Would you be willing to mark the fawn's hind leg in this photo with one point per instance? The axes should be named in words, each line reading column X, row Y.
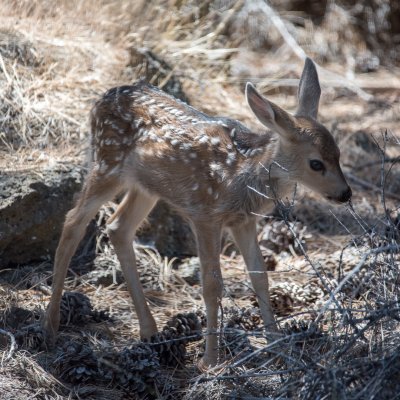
column 121, row 228
column 96, row 191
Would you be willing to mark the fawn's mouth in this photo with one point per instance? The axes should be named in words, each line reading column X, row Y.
column 335, row 200
column 344, row 197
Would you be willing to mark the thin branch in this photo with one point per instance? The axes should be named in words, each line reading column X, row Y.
column 354, row 271
column 13, row 346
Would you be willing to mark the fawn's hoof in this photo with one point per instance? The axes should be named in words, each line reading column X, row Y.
column 49, row 329
column 205, row 365
column 148, row 332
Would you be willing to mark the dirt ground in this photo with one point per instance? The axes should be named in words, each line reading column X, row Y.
column 334, row 270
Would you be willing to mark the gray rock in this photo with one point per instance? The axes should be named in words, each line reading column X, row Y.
column 168, row 232
column 189, row 270
column 32, row 210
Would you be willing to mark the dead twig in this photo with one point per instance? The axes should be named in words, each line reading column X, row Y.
column 13, row 346
column 355, row 270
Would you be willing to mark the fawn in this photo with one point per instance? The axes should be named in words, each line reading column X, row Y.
column 149, row 145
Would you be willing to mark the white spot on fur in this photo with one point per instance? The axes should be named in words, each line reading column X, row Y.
column 193, row 155
column 214, row 166
column 175, row 142
column 152, row 136
column 185, row 146
column 142, row 132
column 103, row 167
column 153, row 111
column 176, row 112
column 143, row 98
column 231, row 158
column 203, row 139
column 167, row 135
column 138, row 122
column 148, row 102
column 210, row 190
column 195, row 186
column 125, row 116
column 215, row 141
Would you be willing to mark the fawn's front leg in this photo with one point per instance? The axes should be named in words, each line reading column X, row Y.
column 245, row 236
column 209, row 246
column 121, row 228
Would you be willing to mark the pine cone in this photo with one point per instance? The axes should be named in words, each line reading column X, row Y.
column 77, row 364
column 238, row 323
column 134, row 369
column 277, row 236
column 170, row 343
column 76, row 309
column 282, row 301
column 308, row 330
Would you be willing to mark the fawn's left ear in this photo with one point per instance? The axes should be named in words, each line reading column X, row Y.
column 309, row 91
column 269, row 114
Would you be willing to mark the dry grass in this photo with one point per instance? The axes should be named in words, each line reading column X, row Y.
column 57, row 57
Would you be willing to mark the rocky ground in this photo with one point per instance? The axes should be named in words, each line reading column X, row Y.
column 333, row 269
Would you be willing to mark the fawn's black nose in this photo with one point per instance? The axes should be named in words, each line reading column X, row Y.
column 346, row 195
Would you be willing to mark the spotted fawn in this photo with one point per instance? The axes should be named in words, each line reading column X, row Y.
column 216, row 172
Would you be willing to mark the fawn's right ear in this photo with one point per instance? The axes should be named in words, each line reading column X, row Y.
column 269, row 114
column 309, row 91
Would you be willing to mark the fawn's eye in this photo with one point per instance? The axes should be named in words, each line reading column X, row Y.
column 317, row 165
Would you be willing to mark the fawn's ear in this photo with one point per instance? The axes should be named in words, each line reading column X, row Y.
column 309, row 91
column 269, row 114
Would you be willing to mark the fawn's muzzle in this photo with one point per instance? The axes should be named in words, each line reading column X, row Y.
column 346, row 195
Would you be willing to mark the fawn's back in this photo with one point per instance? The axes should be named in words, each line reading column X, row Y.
column 158, row 144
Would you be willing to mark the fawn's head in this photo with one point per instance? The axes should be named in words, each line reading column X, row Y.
column 308, row 152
